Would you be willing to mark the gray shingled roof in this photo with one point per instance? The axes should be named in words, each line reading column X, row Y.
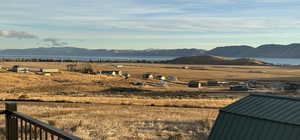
column 259, row 117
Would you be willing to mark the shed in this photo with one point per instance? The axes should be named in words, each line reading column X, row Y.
column 194, row 84
column 50, row 70
column 20, row 69
column 259, row 117
column 148, row 76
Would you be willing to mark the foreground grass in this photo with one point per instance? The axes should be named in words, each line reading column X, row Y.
column 126, row 122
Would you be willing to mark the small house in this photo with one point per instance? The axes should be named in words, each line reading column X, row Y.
column 50, row 70
column 194, row 84
column 148, row 76
column 161, row 77
column 20, row 69
column 259, row 117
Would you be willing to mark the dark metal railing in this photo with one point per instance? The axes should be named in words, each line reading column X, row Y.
column 23, row 127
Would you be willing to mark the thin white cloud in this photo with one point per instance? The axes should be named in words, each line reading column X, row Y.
column 115, row 19
column 16, row 34
column 179, row 23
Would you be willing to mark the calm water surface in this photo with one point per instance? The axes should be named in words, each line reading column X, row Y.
column 288, row 61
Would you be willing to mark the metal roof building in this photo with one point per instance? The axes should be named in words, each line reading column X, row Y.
column 259, row 117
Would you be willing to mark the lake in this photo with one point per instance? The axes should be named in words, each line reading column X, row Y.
column 287, row 61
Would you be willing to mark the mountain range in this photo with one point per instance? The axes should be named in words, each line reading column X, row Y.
column 71, row 51
column 263, row 51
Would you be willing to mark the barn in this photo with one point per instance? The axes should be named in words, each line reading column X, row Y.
column 259, row 117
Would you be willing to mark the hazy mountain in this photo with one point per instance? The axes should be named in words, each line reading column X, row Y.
column 231, row 51
column 264, row 51
column 71, row 51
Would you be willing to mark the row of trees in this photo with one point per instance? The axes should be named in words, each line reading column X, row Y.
column 71, row 60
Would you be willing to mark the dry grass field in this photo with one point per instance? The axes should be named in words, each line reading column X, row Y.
column 126, row 122
column 110, row 107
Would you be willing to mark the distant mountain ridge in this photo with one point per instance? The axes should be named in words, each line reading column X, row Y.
column 263, row 51
column 71, row 51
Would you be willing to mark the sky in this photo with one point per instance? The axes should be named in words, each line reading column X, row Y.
column 145, row 24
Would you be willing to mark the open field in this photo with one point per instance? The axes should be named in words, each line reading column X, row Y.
column 110, row 107
column 111, row 122
column 72, row 83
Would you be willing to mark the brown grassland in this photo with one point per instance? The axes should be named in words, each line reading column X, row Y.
column 101, row 107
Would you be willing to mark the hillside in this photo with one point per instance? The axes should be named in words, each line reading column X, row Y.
column 231, row 51
column 215, row 60
column 263, row 51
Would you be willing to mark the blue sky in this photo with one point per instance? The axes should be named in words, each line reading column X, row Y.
column 142, row 24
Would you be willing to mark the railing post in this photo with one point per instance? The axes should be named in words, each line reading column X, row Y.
column 11, row 121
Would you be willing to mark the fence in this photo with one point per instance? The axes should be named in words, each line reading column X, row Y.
column 23, row 127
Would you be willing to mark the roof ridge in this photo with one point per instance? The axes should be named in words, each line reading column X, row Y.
column 260, row 118
column 276, row 96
